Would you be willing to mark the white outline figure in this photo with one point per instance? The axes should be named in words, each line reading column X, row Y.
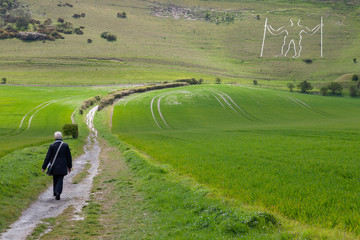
column 293, row 36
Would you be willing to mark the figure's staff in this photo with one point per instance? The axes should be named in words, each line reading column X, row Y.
column 321, row 38
column 262, row 47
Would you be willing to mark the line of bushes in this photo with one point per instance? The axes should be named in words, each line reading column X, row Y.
column 88, row 103
column 110, row 99
column 191, row 81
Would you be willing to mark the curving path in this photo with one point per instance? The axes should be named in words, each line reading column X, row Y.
column 74, row 194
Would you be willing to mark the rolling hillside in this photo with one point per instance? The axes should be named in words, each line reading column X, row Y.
column 163, row 41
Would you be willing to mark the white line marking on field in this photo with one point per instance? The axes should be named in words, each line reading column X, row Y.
column 22, row 120
column 299, row 102
column 48, row 103
column 242, row 110
column 72, row 115
column 218, row 100
column 152, row 111
column 159, row 110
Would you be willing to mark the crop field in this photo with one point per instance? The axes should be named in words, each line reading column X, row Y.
column 292, row 154
column 30, row 115
column 154, row 46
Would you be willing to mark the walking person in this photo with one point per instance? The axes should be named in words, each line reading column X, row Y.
column 58, row 160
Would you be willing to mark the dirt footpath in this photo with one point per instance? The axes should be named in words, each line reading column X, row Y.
column 73, row 195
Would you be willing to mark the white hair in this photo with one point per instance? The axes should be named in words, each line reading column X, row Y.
column 57, row 135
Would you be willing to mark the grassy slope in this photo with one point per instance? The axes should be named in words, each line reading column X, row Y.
column 155, row 49
column 17, row 102
column 287, row 161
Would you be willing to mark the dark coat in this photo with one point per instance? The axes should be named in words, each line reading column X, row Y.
column 63, row 160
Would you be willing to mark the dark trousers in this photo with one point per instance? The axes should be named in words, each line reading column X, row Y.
column 58, row 184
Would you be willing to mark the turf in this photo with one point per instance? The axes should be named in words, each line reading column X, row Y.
column 156, row 49
column 30, row 115
column 291, row 154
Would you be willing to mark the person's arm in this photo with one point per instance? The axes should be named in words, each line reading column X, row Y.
column 311, row 31
column 47, row 159
column 275, row 32
column 69, row 159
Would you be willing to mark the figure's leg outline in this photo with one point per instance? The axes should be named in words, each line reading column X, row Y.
column 289, row 47
column 300, row 47
column 282, row 48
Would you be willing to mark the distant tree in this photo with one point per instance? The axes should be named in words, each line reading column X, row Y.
column 353, row 90
column 290, row 86
column 255, row 82
column 258, row 17
column 304, row 86
column 218, row 80
column 3, row 81
column 324, row 91
column 354, row 78
column 354, row 60
column 335, row 87
column 200, row 81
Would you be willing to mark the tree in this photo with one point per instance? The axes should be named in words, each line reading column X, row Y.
column 354, row 78
column 290, row 86
column 71, row 130
column 3, row 81
column 255, row 82
column 218, row 80
column 324, row 91
column 353, row 90
column 335, row 87
column 304, row 86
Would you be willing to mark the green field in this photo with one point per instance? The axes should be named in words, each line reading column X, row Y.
column 292, row 154
column 31, row 115
column 165, row 48
column 262, row 150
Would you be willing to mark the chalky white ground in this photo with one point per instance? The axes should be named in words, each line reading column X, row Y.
column 73, row 194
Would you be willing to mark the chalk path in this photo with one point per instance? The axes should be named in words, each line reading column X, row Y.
column 74, row 194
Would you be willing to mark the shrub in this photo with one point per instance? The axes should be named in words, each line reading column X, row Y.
column 308, row 61
column 121, row 15
column 108, row 36
column 335, row 88
column 104, row 35
column 353, row 91
column 290, row 86
column 304, row 86
column 60, row 20
column 76, row 15
column 255, row 82
column 354, row 78
column 89, row 40
column 48, row 21
column 191, row 81
column 355, row 60
column 218, row 80
column 71, row 130
column 324, row 91
column 3, row 81
column 111, row 38
column 82, row 14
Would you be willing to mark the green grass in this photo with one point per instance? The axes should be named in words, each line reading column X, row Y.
column 296, row 159
column 153, row 49
column 48, row 108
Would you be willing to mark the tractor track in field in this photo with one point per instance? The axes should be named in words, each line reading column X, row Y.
column 74, row 194
column 307, row 106
column 233, row 105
